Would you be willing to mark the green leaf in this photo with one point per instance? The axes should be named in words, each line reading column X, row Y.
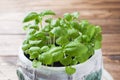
column 31, row 16
column 75, row 25
column 36, row 27
column 66, row 61
column 35, row 42
column 46, row 58
column 47, row 12
column 44, row 48
column 98, row 37
column 40, row 35
column 36, row 64
column 98, row 29
column 30, row 37
column 34, row 49
column 75, row 49
column 85, row 38
column 63, row 40
column 34, row 55
column 70, row 70
column 90, row 31
column 68, row 16
column 25, row 47
column 56, row 52
column 97, row 45
column 31, row 31
column 75, row 15
column 73, row 33
column 58, row 31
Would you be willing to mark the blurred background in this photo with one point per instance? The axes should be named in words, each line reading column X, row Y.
column 105, row 13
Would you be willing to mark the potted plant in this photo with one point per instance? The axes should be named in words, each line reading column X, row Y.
column 60, row 49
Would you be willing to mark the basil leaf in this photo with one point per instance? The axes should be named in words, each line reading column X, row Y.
column 34, row 49
column 36, row 63
column 66, row 61
column 58, row 31
column 31, row 16
column 44, row 48
column 97, row 45
column 36, row 42
column 47, row 12
column 70, row 70
column 46, row 58
column 62, row 40
column 75, row 15
column 75, row 49
column 68, row 16
column 25, row 47
column 31, row 31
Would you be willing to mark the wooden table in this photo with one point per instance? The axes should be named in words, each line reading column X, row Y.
column 101, row 12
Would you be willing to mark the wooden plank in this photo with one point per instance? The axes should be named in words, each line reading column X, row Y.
column 8, row 67
column 10, row 44
column 28, row 5
column 112, row 66
column 11, row 23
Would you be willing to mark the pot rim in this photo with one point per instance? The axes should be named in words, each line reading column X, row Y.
column 25, row 60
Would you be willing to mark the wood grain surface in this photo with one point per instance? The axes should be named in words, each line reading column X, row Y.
column 105, row 13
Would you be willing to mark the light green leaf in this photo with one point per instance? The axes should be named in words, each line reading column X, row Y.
column 98, row 29
column 66, row 61
column 62, row 40
column 31, row 16
column 35, row 42
column 47, row 12
column 44, row 48
column 75, row 49
column 58, row 31
column 90, row 31
column 73, row 33
column 34, row 54
column 98, row 45
column 46, row 58
column 34, row 49
column 36, row 64
column 31, row 31
column 25, row 47
column 75, row 14
column 70, row 70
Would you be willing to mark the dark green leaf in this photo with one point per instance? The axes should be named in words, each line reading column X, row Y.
column 34, row 27
column 68, row 16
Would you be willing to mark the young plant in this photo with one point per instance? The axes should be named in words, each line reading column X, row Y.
column 65, row 41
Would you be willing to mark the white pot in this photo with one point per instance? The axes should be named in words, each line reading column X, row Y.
column 89, row 70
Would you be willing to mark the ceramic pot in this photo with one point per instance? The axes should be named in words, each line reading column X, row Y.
column 89, row 70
